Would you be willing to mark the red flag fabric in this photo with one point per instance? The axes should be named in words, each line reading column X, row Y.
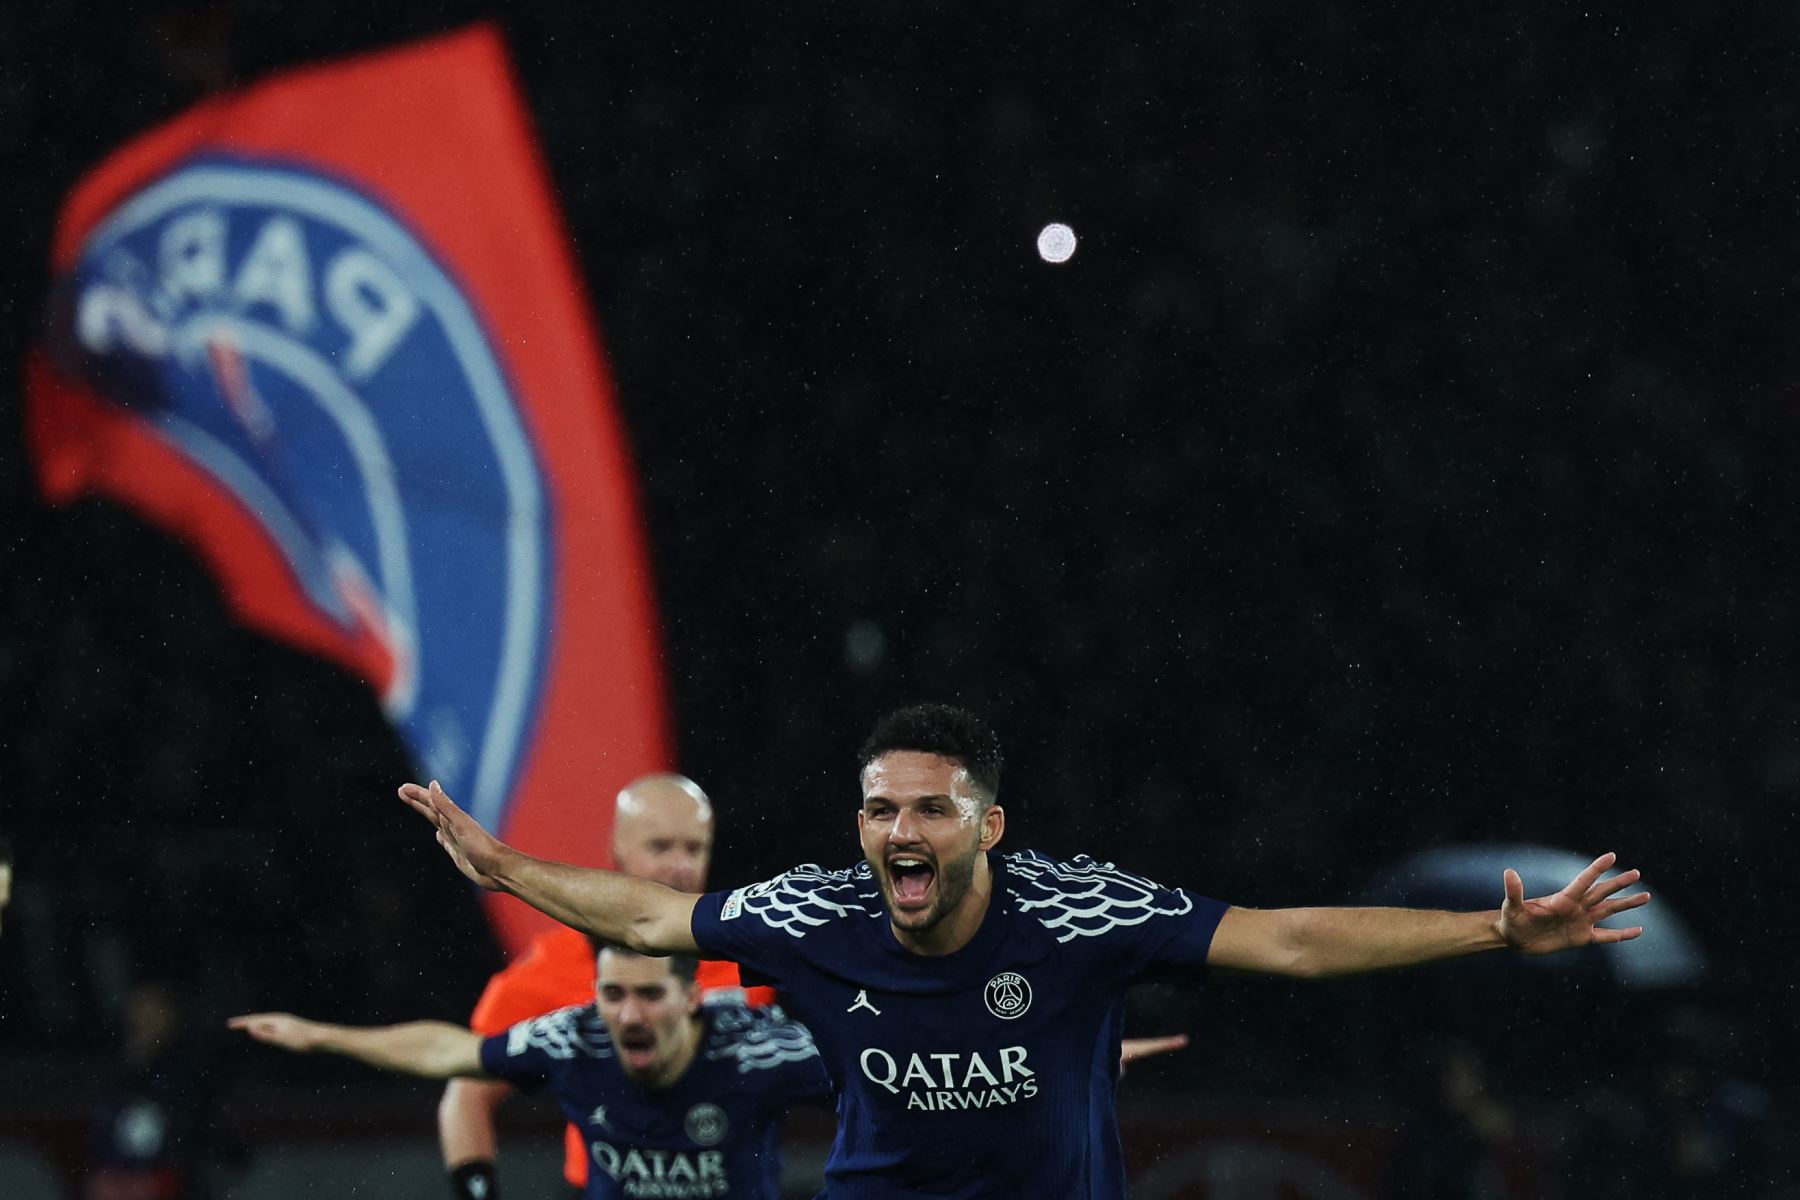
column 329, row 331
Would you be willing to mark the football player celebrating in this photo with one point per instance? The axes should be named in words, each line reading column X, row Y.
column 662, row 830
column 675, row 1098
column 966, row 1001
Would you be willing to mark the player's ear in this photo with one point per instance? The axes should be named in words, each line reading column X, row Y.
column 693, row 995
column 993, row 826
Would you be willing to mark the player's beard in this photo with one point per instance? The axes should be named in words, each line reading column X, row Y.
column 955, row 878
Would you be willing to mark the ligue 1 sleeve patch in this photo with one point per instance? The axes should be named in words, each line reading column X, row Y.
column 734, row 906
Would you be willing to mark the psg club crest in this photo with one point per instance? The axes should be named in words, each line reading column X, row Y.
column 1008, row 995
column 328, row 331
column 295, row 339
column 706, row 1124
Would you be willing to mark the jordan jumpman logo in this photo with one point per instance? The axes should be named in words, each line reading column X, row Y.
column 862, row 1001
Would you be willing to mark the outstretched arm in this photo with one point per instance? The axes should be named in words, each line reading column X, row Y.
column 434, row 1049
column 1314, row 943
column 635, row 913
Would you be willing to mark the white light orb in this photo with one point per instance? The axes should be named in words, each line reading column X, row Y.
column 1056, row 243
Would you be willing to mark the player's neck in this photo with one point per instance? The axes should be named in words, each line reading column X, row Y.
column 959, row 927
column 683, row 1058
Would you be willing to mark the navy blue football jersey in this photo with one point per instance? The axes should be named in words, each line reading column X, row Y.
column 988, row 1072
column 711, row 1134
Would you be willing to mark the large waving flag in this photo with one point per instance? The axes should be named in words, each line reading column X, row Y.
column 329, row 331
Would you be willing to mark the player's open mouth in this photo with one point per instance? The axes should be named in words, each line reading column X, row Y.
column 912, row 879
column 637, row 1047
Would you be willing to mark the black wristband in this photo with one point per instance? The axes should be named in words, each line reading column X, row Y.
column 475, row 1181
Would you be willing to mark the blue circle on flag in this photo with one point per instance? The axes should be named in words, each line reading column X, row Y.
column 294, row 339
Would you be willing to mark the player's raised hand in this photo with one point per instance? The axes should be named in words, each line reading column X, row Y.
column 473, row 849
column 1132, row 1049
column 281, row 1029
column 1569, row 918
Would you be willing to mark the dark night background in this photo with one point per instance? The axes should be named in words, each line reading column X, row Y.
column 1404, row 458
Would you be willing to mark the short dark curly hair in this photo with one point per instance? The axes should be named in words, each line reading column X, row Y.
column 941, row 729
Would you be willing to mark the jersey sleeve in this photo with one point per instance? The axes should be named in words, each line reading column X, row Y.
column 524, row 1067
column 1180, row 940
column 533, row 1053
column 783, row 1051
column 804, row 1081
column 1127, row 925
column 761, row 927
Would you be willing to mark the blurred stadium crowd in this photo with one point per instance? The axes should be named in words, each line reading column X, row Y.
column 1403, row 459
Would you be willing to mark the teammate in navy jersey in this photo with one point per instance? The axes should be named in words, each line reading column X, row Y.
column 678, row 1098
column 967, row 1002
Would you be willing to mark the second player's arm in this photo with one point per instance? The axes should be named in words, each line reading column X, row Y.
column 635, row 913
column 1314, row 943
column 434, row 1049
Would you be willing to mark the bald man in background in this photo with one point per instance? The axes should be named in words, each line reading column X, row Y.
column 662, row 831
